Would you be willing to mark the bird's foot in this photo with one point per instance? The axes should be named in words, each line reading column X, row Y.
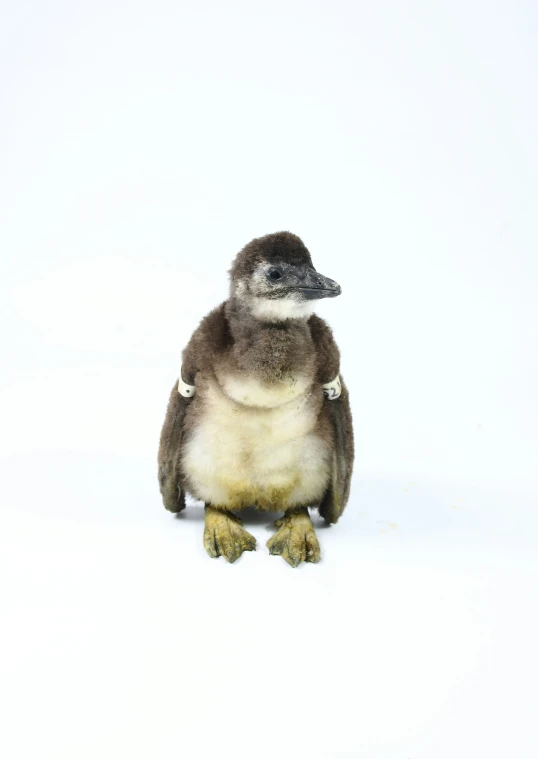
column 224, row 535
column 295, row 540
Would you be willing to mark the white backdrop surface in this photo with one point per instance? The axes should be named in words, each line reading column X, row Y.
column 141, row 146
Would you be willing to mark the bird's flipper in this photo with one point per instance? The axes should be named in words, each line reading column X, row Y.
column 337, row 494
column 170, row 452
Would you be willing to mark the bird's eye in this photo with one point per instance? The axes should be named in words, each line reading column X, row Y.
column 275, row 274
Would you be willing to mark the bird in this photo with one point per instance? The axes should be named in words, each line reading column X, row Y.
column 260, row 415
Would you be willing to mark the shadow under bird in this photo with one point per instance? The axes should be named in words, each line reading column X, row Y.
column 260, row 415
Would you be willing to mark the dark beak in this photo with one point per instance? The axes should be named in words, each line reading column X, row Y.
column 313, row 285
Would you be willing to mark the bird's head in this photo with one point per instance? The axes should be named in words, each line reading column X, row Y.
column 274, row 278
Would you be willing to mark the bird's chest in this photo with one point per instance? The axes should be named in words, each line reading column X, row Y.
column 253, row 440
column 247, row 423
column 254, row 394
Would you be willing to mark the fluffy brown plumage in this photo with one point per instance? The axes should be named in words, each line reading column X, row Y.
column 258, row 430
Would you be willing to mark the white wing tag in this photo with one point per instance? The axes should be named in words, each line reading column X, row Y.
column 333, row 390
column 187, row 391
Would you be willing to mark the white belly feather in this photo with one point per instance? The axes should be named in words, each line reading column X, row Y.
column 265, row 452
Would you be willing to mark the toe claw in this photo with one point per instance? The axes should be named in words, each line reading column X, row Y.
column 293, row 561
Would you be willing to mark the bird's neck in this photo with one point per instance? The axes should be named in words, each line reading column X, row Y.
column 269, row 349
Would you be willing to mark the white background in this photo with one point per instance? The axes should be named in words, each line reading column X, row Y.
column 142, row 145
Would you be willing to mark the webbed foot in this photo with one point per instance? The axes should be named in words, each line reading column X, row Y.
column 295, row 539
column 224, row 535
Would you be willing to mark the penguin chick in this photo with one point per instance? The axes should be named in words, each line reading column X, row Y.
column 259, row 415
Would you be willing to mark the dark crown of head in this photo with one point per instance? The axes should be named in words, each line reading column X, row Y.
column 280, row 246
